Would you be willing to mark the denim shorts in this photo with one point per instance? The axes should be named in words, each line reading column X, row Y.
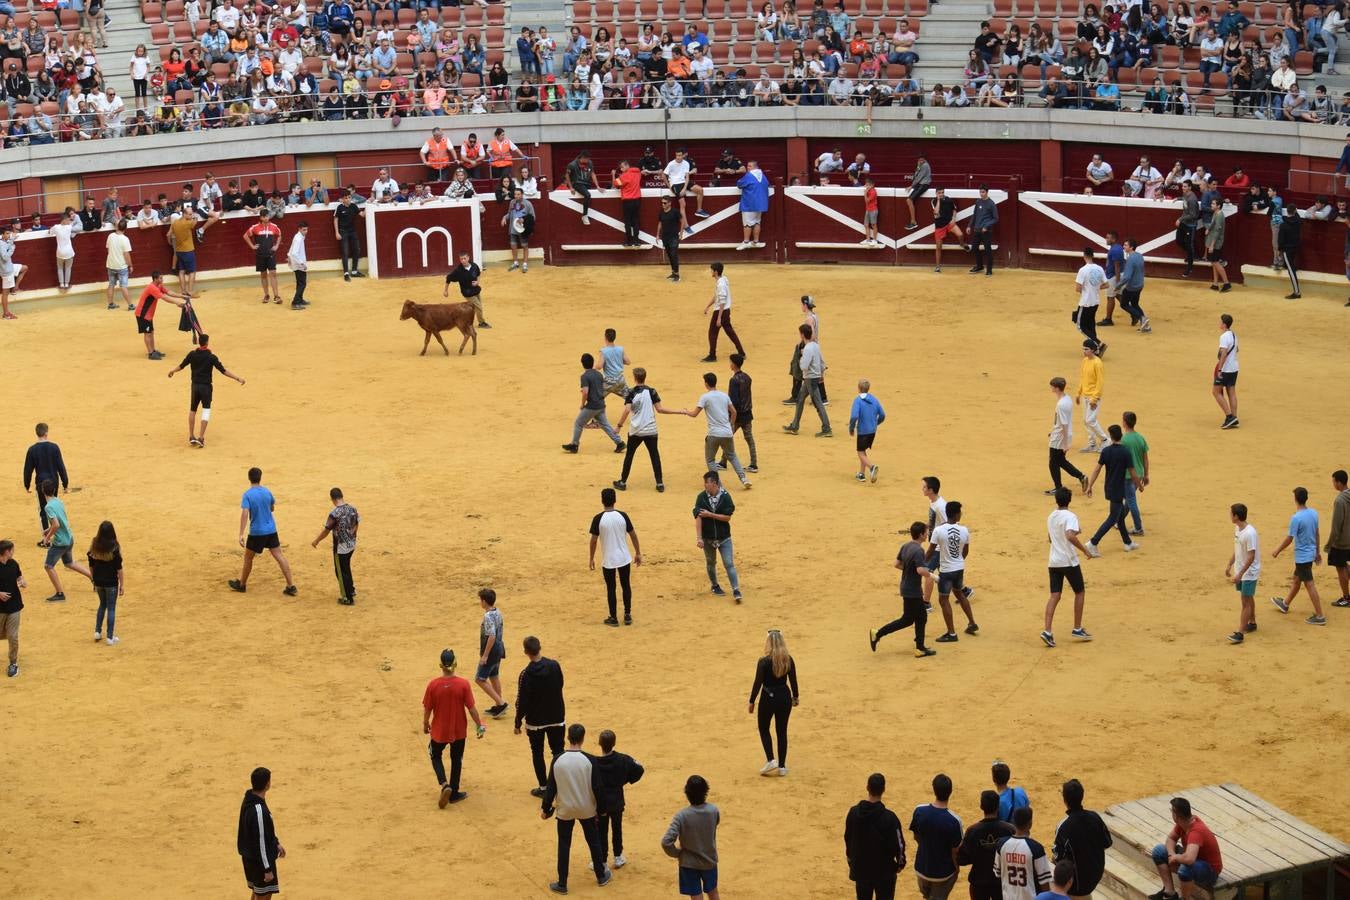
column 491, row 670
column 949, row 581
column 694, row 882
column 118, row 277
column 61, row 552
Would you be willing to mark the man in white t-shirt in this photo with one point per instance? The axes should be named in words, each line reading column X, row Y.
column 1145, row 181
column 384, row 188
column 1088, row 283
column 1099, row 171
column 110, row 109
column 831, row 162
column 228, row 17
column 1061, row 437
column 611, row 530
column 952, row 543
column 677, row 174
column 65, row 248
column 642, row 403
column 1244, row 568
column 1063, row 528
column 721, row 427
column 720, row 304
column 209, row 196
column 1226, row 372
column 118, row 263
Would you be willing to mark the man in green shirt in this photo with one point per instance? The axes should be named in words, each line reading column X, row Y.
column 1134, row 442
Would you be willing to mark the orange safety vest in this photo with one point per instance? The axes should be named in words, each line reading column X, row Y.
column 438, row 157
column 500, row 153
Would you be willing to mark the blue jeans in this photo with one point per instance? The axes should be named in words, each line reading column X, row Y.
column 710, row 551
column 1198, row 872
column 107, row 603
column 903, row 58
column 1208, row 68
column 1114, row 519
column 1132, row 504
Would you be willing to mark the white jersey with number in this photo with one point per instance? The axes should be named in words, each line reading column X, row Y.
column 1022, row 868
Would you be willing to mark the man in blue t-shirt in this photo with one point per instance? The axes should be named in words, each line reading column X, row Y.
column 754, row 204
column 256, row 521
column 1305, row 535
column 1115, row 264
column 937, row 831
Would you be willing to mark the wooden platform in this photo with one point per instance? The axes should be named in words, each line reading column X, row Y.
column 1266, row 851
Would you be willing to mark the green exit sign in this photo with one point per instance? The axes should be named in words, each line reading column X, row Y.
column 930, row 130
column 864, row 128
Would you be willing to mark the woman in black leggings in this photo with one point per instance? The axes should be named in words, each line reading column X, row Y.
column 776, row 673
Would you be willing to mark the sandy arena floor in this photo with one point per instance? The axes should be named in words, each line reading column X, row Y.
column 125, row 766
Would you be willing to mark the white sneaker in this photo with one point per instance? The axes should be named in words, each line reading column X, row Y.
column 742, row 245
column 524, row 267
column 866, row 242
column 513, row 267
column 585, row 220
column 770, row 767
column 782, row 773
column 1092, row 550
column 1131, row 546
column 113, row 640
column 98, row 635
column 620, row 862
column 1090, row 448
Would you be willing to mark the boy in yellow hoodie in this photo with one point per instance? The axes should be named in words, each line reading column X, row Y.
column 1090, row 378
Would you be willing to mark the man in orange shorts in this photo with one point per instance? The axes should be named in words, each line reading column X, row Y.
column 944, row 224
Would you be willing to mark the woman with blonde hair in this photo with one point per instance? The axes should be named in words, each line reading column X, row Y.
column 105, row 567
column 776, row 674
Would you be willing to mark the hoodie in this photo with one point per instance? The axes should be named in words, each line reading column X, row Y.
column 873, row 842
column 613, row 771
column 257, row 836
column 539, row 694
column 866, row 414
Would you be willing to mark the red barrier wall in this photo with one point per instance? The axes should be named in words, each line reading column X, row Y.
column 422, row 240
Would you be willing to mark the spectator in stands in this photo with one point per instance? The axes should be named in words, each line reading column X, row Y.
column 1046, row 51
column 977, row 70
column 460, row 187
column 671, row 93
column 1056, row 94
column 767, row 92
column 1107, row 98
column 766, row 23
column 1282, row 81
column 858, row 170
column 902, row 46
column 544, row 48
column 1200, row 862
column 987, row 43
column 820, row 18
column 1211, row 55
column 1294, row 105
column 840, row 90
column 576, row 45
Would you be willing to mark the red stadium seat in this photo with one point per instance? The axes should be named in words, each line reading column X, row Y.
column 174, row 11
column 404, row 63
column 496, row 39
column 1303, row 62
column 604, row 12
column 159, row 34
column 152, row 12
column 764, row 52
column 496, row 14
column 670, row 12
column 627, row 11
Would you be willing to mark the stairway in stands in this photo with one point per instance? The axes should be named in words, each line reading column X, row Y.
column 946, row 37
column 126, row 31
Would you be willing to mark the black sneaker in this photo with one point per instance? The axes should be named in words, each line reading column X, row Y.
column 346, row 276
column 972, row 628
column 709, row 358
column 557, row 887
column 1105, row 323
column 1342, row 603
column 1083, row 482
column 237, row 585
column 611, row 622
column 752, row 468
column 58, row 597
column 291, row 590
column 660, row 488
column 1101, row 350
column 948, row 638
column 1251, row 626
column 457, row 796
column 1236, row 638
column 620, row 447
column 605, row 878
column 975, row 270
column 1227, row 286
column 358, row 274
column 620, row 485
column 873, row 639
column 571, row 448
column 537, row 792
column 1230, row 422
column 717, row 590
column 1293, row 296
column 627, row 618
column 921, row 652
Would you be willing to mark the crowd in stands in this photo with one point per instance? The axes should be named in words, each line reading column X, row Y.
column 280, row 61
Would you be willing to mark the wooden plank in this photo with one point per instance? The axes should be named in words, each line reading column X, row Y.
column 1296, row 850
column 1335, row 848
column 1136, row 876
column 1243, row 859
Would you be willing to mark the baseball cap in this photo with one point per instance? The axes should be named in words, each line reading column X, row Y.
column 448, row 658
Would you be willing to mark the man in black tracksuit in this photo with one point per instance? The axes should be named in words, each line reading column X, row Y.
column 539, row 704
column 1290, row 237
column 258, row 844
column 44, row 461
column 874, row 844
column 979, row 847
column 1082, row 839
column 612, row 772
column 670, row 236
column 345, row 216
column 983, row 218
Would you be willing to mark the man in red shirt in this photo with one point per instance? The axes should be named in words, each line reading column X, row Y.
column 263, row 239
column 871, row 212
column 444, row 704
column 1199, row 863
column 154, row 292
column 628, row 181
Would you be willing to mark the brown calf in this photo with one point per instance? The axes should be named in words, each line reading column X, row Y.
column 437, row 317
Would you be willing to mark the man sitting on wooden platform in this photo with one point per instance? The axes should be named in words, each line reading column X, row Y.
column 1193, row 855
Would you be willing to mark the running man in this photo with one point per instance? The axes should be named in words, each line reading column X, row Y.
column 257, row 522
column 257, row 842
column 343, row 522
column 721, row 427
column 11, row 603
column 611, row 530
column 444, row 704
column 1138, row 447
column 944, row 223
column 1119, row 466
column 1063, row 529
column 1088, row 283
column 865, row 417
column 201, row 360
column 1305, row 533
column 952, row 543
column 43, row 462
column 263, row 238
column 145, row 307
column 1338, row 542
column 180, row 236
column 678, row 179
column 720, row 304
column 713, row 509
column 931, row 488
column 1061, row 437
column 914, row 572
column 592, row 407
column 1244, row 569
column 491, row 652
column 59, row 542
column 642, row 404
column 1090, row 378
column 1226, row 372
column 466, row 275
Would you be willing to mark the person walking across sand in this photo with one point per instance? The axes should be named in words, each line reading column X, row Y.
column 202, row 361
column 258, row 532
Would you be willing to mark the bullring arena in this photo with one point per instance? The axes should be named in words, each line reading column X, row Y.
column 125, row 763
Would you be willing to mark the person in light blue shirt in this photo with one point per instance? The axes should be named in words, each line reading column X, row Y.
column 1009, row 798
column 1305, row 535
column 1060, row 880
column 58, row 540
column 863, row 419
column 613, row 359
column 258, row 532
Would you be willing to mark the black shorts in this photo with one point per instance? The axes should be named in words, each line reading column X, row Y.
column 1215, row 255
column 201, row 396
column 260, row 542
column 1338, row 559
column 952, row 581
column 678, row 189
column 918, row 190
column 1303, row 571
column 1058, row 575
column 266, row 263
column 865, row 441
column 145, row 326
column 1226, row 379
column 253, row 874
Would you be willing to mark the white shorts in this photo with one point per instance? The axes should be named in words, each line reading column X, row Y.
column 751, row 218
column 6, row 282
column 1112, row 286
